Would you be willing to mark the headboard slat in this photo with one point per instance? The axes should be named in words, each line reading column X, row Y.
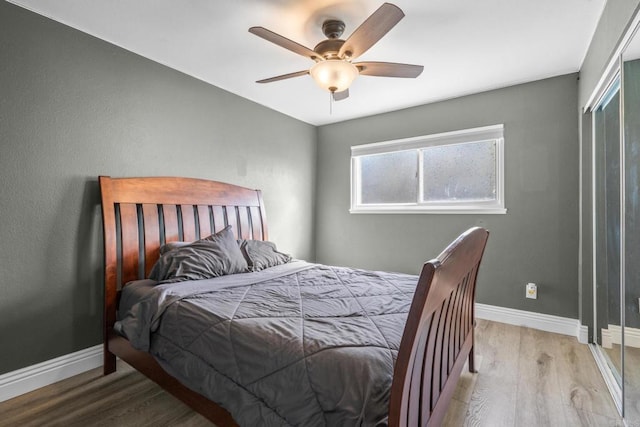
column 256, row 230
column 130, row 243
column 232, row 219
column 219, row 221
column 188, row 223
column 204, row 221
column 151, row 236
column 171, row 228
column 263, row 217
column 243, row 219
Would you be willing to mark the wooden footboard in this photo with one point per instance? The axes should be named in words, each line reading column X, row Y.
column 438, row 337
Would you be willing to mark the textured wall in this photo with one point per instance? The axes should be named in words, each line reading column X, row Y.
column 536, row 241
column 73, row 107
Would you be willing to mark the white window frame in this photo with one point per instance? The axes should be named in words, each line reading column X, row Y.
column 481, row 134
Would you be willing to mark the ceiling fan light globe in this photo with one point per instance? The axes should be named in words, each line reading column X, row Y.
column 334, row 75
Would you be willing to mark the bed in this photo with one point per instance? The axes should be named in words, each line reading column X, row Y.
column 372, row 348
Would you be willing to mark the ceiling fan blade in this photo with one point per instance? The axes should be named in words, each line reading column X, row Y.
column 371, row 30
column 284, row 42
column 389, row 69
column 339, row 96
column 284, row 76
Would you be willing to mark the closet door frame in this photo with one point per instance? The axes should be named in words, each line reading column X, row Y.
column 609, row 86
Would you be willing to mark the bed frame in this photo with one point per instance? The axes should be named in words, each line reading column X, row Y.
column 141, row 214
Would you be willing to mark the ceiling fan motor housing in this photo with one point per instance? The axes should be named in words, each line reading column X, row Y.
column 328, row 49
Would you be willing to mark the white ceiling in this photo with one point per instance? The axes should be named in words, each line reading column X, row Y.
column 466, row 46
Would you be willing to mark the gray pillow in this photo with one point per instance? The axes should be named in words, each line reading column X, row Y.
column 178, row 244
column 171, row 246
column 261, row 255
column 213, row 256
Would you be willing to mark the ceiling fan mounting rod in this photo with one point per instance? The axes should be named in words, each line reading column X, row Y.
column 333, row 28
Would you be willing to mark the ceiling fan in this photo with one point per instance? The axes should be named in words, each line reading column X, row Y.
column 333, row 69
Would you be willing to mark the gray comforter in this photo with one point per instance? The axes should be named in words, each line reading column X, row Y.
column 298, row 344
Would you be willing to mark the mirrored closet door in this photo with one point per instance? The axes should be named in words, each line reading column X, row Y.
column 606, row 150
column 631, row 241
column 616, row 230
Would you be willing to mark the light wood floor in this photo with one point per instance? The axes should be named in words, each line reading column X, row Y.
column 531, row 378
column 526, row 378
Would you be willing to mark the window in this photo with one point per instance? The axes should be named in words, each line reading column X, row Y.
column 453, row 172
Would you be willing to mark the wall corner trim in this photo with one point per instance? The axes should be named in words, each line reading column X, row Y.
column 529, row 319
column 583, row 335
column 16, row 383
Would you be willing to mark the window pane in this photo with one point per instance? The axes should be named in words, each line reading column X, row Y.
column 389, row 177
column 460, row 172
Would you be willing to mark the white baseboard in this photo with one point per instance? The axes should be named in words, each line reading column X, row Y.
column 27, row 379
column 529, row 319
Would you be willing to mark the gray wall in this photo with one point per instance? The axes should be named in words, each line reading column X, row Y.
column 73, row 107
column 536, row 241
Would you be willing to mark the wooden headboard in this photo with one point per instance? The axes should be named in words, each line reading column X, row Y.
column 141, row 214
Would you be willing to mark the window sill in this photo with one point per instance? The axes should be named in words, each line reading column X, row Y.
column 445, row 210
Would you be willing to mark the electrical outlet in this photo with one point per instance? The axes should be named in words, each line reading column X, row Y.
column 531, row 291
